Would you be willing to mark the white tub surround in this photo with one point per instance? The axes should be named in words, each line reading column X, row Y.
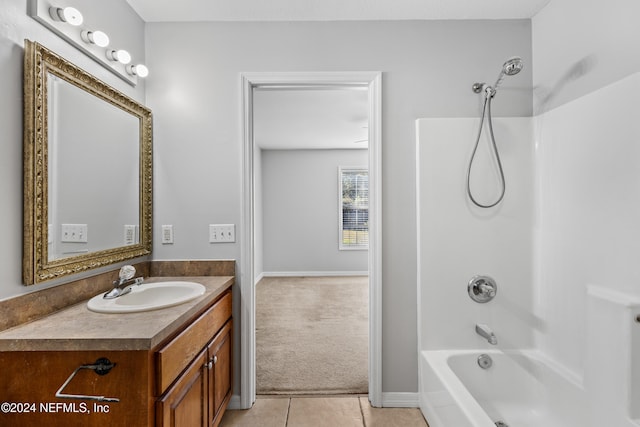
column 526, row 389
column 588, row 204
column 519, row 389
column 457, row 240
column 579, row 226
column 612, row 365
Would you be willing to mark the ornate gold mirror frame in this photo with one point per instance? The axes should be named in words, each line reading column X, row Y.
column 39, row 62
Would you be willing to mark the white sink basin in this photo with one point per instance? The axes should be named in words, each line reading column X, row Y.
column 148, row 296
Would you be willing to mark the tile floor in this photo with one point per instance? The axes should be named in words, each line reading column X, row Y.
column 320, row 412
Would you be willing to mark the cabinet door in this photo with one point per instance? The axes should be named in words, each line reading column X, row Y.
column 185, row 403
column 220, row 373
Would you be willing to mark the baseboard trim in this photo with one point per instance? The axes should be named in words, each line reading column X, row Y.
column 234, row 402
column 311, row 273
column 400, row 400
column 257, row 279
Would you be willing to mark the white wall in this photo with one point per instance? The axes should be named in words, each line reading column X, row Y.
column 581, row 46
column 458, row 240
column 428, row 69
column 586, row 83
column 116, row 18
column 300, row 211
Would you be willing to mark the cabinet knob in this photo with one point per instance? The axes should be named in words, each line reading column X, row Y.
column 209, row 365
column 215, row 359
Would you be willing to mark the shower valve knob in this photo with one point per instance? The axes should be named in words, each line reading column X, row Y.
column 482, row 289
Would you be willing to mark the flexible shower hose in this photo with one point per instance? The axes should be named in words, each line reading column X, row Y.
column 486, row 109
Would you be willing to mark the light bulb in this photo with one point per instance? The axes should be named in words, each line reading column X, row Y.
column 139, row 70
column 142, row 70
column 122, row 56
column 95, row 37
column 70, row 15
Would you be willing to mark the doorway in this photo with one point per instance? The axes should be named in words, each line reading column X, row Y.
column 371, row 82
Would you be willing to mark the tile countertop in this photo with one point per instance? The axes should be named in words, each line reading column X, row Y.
column 76, row 328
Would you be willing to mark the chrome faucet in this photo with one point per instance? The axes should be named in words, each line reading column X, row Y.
column 125, row 282
column 485, row 332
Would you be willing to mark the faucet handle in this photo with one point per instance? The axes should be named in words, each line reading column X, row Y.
column 487, row 290
column 482, row 289
column 127, row 272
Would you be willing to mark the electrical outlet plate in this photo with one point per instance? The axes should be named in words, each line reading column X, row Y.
column 130, row 234
column 222, row 233
column 167, row 234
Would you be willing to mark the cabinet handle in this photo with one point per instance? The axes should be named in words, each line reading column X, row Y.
column 211, row 362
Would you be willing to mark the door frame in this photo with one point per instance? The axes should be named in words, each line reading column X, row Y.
column 372, row 80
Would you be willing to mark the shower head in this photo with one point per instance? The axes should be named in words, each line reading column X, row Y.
column 513, row 66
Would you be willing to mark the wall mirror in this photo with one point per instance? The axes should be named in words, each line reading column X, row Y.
column 87, row 170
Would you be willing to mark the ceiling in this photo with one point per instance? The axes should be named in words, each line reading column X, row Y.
column 332, row 10
column 327, row 118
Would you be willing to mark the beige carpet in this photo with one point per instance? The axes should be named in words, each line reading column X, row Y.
column 312, row 335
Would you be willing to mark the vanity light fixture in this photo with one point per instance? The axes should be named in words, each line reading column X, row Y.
column 139, row 70
column 70, row 15
column 94, row 43
column 98, row 38
column 121, row 55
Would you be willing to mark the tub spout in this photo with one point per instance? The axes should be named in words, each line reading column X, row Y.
column 485, row 332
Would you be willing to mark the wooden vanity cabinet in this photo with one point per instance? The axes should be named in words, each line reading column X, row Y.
column 183, row 379
column 195, row 372
column 30, row 380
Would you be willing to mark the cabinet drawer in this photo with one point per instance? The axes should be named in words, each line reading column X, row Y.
column 174, row 357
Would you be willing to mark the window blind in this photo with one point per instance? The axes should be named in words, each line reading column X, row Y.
column 354, row 208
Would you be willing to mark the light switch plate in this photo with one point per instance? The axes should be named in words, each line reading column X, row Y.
column 73, row 233
column 222, row 233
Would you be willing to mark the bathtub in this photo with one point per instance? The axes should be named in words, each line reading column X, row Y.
column 519, row 389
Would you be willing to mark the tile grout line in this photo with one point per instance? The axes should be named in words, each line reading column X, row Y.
column 364, row 423
column 286, row 420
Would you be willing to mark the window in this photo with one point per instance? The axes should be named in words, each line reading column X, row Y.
column 354, row 208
